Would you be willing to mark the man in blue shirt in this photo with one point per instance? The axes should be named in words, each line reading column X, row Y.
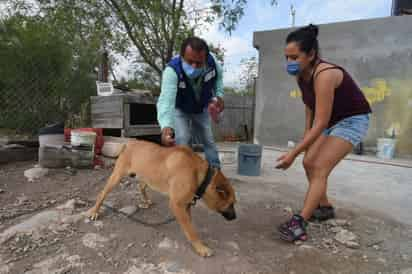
column 190, row 82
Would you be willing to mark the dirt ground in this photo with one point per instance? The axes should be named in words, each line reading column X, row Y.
column 42, row 231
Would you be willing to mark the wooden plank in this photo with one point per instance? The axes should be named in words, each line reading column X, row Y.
column 107, row 111
column 141, row 130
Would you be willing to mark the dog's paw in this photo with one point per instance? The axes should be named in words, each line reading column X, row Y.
column 92, row 214
column 202, row 250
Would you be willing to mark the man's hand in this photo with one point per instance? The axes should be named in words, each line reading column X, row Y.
column 168, row 136
column 220, row 104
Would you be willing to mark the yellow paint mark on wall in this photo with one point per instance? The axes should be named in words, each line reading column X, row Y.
column 377, row 92
column 295, row 93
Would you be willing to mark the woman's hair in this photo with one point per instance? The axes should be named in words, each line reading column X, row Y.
column 306, row 38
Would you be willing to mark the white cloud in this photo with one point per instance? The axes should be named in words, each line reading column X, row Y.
column 236, row 48
column 234, row 45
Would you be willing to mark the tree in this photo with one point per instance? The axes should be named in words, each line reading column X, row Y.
column 43, row 78
column 155, row 28
column 248, row 74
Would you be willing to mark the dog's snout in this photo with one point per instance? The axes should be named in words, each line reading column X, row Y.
column 229, row 213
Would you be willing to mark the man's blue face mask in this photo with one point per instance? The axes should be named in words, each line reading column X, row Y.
column 293, row 67
column 190, row 71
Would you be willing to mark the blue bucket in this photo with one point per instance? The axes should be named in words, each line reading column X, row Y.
column 249, row 159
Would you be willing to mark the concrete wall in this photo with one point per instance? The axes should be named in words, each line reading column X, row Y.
column 377, row 53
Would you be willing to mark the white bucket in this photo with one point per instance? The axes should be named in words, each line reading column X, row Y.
column 386, row 148
column 79, row 138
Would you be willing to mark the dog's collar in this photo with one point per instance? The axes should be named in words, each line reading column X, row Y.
column 203, row 186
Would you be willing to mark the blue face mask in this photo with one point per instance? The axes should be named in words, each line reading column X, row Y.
column 293, row 67
column 190, row 71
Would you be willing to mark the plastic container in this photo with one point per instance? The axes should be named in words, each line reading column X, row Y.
column 52, row 135
column 99, row 137
column 386, row 148
column 51, row 140
column 112, row 149
column 54, row 157
column 249, row 159
column 81, row 137
column 82, row 156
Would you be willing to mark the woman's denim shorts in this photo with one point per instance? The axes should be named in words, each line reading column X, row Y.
column 352, row 129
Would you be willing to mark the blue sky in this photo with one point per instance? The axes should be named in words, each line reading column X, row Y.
column 260, row 15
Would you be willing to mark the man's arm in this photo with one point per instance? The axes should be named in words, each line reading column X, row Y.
column 219, row 83
column 166, row 105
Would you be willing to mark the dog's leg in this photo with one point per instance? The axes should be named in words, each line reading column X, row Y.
column 146, row 202
column 182, row 214
column 118, row 173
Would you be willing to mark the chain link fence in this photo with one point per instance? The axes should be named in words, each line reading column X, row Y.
column 42, row 79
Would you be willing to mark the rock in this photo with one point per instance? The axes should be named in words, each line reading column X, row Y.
column 93, row 240
column 331, row 222
column 32, row 225
column 128, row 210
column 173, row 267
column 328, row 243
column 69, row 205
column 381, row 260
column 167, row 244
column 298, row 242
column 98, row 224
column 405, row 257
column 73, row 219
column 336, row 229
column 342, row 222
column 306, row 247
column 289, row 256
column 406, row 271
column 376, row 247
column 35, row 173
column 1, row 190
column 5, row 269
column 288, row 211
column 233, row 245
column 22, row 199
column 347, row 238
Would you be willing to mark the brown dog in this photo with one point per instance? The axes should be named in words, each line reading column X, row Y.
column 178, row 172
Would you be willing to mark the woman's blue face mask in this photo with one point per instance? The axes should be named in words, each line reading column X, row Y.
column 293, row 67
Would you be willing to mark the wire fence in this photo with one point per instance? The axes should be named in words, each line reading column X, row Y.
column 42, row 80
column 36, row 99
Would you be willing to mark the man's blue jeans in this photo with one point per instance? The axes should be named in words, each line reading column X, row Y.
column 188, row 125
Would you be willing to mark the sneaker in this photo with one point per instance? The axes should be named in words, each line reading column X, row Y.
column 294, row 229
column 323, row 213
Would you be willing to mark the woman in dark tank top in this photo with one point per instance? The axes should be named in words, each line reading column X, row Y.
column 337, row 118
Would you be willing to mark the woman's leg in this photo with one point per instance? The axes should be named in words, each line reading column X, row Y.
column 330, row 153
column 308, row 159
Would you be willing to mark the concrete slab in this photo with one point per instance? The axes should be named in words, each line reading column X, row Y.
column 364, row 181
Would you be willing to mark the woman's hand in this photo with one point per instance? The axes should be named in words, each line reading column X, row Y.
column 286, row 160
